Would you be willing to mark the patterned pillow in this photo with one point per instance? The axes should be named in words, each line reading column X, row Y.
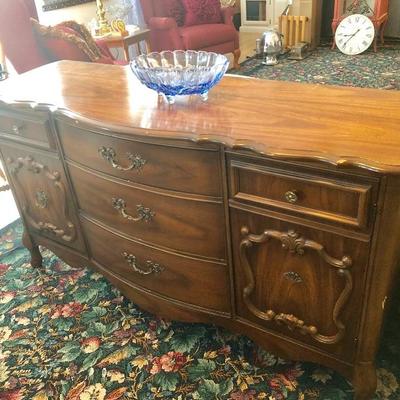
column 199, row 12
column 175, row 10
column 68, row 40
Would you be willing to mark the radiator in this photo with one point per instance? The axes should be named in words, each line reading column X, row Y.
column 293, row 28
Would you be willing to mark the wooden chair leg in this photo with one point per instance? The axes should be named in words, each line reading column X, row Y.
column 382, row 32
column 334, row 26
column 236, row 56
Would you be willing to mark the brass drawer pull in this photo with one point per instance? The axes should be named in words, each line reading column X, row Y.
column 152, row 268
column 143, row 213
column 292, row 196
column 109, row 154
column 17, row 128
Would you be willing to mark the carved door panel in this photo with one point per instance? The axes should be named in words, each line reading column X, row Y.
column 299, row 282
column 42, row 191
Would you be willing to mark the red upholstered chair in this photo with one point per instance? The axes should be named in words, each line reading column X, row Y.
column 17, row 38
column 165, row 34
column 19, row 42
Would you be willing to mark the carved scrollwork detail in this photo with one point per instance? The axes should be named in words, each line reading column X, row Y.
column 42, row 201
column 296, row 244
column 68, row 233
column 143, row 213
column 293, row 242
column 151, row 267
column 110, row 155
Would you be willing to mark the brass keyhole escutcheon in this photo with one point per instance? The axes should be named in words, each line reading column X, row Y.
column 292, row 196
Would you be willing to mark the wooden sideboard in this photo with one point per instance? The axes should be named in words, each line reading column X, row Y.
column 273, row 209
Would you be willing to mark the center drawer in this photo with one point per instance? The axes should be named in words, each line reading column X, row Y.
column 189, row 168
column 202, row 283
column 180, row 223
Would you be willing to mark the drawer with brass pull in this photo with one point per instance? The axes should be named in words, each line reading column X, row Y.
column 27, row 128
column 164, row 219
column 186, row 279
column 337, row 200
column 189, row 170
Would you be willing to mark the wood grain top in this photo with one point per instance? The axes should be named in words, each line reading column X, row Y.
column 342, row 126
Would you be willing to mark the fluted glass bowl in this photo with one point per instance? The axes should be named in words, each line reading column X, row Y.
column 180, row 72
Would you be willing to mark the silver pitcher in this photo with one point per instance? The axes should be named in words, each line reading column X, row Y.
column 271, row 43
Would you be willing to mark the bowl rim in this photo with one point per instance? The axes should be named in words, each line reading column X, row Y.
column 134, row 64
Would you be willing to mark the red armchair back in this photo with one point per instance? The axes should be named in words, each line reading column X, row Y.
column 17, row 37
column 153, row 8
column 166, row 35
column 31, row 6
column 25, row 50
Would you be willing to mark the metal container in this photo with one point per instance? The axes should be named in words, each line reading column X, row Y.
column 271, row 43
column 299, row 51
column 3, row 73
column 259, row 49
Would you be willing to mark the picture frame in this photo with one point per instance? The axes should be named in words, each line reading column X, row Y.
column 50, row 5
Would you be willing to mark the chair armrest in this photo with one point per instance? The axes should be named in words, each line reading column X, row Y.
column 162, row 23
column 227, row 15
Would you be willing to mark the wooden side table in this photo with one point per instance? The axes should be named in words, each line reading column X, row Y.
column 125, row 42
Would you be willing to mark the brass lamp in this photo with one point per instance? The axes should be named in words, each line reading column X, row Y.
column 104, row 26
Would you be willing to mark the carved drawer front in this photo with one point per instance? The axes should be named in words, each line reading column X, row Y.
column 335, row 200
column 202, row 283
column 175, row 222
column 41, row 188
column 193, row 170
column 26, row 128
column 300, row 282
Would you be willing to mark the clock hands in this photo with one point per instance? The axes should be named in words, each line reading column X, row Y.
column 355, row 33
column 350, row 34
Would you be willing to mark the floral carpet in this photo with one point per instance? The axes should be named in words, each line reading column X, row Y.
column 67, row 334
column 379, row 70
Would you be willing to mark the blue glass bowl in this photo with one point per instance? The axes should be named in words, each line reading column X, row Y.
column 180, row 72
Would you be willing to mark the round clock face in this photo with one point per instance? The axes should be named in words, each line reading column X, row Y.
column 354, row 34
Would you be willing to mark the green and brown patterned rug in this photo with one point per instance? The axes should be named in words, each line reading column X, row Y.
column 67, row 334
column 379, row 70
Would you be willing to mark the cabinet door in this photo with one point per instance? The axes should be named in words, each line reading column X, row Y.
column 40, row 186
column 298, row 281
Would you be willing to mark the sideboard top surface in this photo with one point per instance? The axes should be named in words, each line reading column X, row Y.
column 343, row 126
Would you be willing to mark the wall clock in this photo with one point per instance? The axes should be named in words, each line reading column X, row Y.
column 354, row 34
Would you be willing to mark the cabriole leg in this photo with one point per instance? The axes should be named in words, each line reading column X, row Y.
column 36, row 257
column 236, row 56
